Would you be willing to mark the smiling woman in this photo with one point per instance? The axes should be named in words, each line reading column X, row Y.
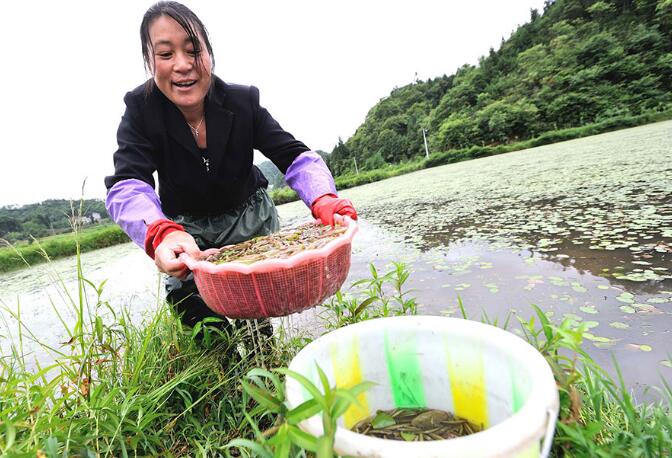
column 182, row 71
column 199, row 133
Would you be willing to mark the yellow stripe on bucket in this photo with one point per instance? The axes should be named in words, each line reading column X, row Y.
column 467, row 381
column 347, row 373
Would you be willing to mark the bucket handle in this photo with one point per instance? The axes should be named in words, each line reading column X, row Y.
column 550, row 429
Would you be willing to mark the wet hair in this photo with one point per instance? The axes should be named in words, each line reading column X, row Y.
column 191, row 24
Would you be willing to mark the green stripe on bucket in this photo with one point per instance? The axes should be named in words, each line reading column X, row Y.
column 517, row 398
column 403, row 367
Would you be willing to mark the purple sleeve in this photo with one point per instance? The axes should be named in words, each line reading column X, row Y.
column 133, row 205
column 310, row 177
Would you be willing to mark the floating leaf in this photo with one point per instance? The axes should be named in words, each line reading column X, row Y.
column 647, row 308
column 666, row 363
column 602, row 286
column 626, row 297
column 578, row 287
column 588, row 309
column 604, row 345
column 627, row 309
column 594, row 338
column 619, row 325
column 571, row 316
column 645, row 348
column 657, row 300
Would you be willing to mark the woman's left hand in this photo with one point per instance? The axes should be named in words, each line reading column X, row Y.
column 325, row 207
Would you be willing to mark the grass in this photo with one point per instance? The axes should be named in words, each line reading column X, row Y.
column 155, row 388
column 13, row 257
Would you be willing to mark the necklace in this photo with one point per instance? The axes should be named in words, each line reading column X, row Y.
column 194, row 130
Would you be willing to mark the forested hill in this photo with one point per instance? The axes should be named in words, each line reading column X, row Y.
column 50, row 217
column 580, row 62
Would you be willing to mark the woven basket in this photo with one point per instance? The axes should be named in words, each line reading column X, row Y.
column 275, row 287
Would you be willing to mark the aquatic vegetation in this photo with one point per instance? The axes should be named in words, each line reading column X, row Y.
column 280, row 245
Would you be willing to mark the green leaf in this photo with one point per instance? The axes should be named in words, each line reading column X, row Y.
column 258, row 449
column 263, row 397
column 546, row 324
column 588, row 309
column 382, row 420
column 324, row 380
column 363, row 305
column 277, row 383
column 626, row 297
column 409, row 437
column 10, row 436
column 303, row 411
column 303, row 439
column 284, row 443
column 305, row 383
column 325, row 448
column 619, row 325
column 99, row 328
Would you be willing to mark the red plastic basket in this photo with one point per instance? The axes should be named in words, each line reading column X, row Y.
column 275, row 287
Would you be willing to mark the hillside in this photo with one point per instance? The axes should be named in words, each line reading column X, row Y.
column 580, row 62
column 53, row 216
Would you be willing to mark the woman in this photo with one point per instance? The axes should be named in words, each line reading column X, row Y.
column 198, row 133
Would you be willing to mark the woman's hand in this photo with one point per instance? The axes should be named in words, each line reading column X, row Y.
column 328, row 205
column 167, row 252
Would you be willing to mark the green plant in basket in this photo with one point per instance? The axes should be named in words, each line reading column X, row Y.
column 284, row 438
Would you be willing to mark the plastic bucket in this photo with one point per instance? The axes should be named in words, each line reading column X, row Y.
column 476, row 371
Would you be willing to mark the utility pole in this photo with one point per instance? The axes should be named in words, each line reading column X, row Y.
column 424, row 137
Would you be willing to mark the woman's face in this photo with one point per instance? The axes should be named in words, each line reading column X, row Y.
column 176, row 70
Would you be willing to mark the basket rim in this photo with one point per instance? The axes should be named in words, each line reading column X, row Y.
column 268, row 265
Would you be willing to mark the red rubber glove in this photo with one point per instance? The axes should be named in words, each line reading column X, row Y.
column 164, row 242
column 156, row 232
column 326, row 206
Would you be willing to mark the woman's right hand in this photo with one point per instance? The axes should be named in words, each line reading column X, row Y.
column 166, row 254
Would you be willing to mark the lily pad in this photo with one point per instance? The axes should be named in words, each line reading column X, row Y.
column 657, row 300
column 595, row 338
column 588, row 309
column 619, row 325
column 626, row 297
column 578, row 287
column 648, row 309
column 627, row 309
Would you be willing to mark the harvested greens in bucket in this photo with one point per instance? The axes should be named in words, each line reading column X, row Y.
column 280, row 245
column 415, row 425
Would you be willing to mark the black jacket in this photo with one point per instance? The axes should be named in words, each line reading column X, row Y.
column 153, row 136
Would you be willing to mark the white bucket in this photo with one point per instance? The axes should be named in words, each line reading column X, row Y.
column 475, row 371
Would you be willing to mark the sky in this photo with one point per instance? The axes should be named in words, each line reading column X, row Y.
column 320, row 67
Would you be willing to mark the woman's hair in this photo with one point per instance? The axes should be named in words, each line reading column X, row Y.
column 191, row 24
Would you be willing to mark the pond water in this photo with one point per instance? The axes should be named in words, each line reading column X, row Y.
column 582, row 229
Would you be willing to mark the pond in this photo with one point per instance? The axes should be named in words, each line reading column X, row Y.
column 582, row 229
